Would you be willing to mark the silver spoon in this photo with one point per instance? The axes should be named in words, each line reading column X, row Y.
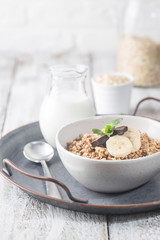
column 41, row 152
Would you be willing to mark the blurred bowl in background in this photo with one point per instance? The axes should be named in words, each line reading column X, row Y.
column 112, row 93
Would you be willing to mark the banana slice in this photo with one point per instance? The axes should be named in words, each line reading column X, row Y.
column 119, row 146
column 135, row 137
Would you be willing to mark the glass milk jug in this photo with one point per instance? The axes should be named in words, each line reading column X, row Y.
column 139, row 48
column 66, row 102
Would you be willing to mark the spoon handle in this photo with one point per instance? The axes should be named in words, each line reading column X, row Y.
column 52, row 189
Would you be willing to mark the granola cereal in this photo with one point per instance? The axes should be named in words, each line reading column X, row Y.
column 82, row 147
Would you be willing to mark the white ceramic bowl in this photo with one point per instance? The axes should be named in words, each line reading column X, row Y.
column 109, row 175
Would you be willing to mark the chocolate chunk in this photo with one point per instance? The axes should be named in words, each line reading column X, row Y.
column 120, row 130
column 100, row 142
column 144, row 154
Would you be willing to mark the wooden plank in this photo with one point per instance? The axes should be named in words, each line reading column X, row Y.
column 139, row 226
column 22, row 216
column 6, row 73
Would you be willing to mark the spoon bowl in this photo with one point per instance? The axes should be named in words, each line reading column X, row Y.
column 38, row 151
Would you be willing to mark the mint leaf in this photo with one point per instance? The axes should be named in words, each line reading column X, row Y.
column 109, row 130
column 97, row 131
column 114, row 122
column 110, row 126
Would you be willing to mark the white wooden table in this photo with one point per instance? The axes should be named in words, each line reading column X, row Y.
column 23, row 217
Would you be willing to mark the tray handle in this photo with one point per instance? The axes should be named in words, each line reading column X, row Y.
column 143, row 100
column 7, row 170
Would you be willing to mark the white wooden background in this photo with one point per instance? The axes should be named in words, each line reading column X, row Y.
column 23, row 217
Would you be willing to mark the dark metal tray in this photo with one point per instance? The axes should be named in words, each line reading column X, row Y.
column 144, row 198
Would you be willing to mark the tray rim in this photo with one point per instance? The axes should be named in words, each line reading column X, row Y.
column 88, row 205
